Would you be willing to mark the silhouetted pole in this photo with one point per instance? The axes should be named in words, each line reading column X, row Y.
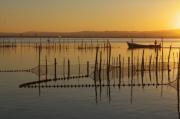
column 169, row 58
column 137, row 68
column 79, row 65
column 39, row 69
column 87, row 68
column 95, row 70
column 142, row 69
column 68, row 68
column 150, row 60
column 95, row 67
column 100, row 63
column 157, row 66
column 123, row 68
column 39, row 64
column 64, row 67
column 46, row 68
column 142, row 65
column 128, row 66
column 55, row 63
column 178, row 82
column 168, row 63
column 119, row 70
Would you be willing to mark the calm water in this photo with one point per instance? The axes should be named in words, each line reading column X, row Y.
column 126, row 102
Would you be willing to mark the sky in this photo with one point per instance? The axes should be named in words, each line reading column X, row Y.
column 88, row 15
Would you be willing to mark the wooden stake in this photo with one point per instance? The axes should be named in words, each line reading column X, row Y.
column 87, row 68
column 100, row 67
column 55, row 77
column 68, row 68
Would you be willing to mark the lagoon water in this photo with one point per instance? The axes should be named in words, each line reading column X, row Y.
column 126, row 102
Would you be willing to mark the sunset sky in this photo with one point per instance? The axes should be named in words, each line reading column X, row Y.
column 88, row 15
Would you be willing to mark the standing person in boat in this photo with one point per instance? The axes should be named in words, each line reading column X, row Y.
column 155, row 42
column 132, row 40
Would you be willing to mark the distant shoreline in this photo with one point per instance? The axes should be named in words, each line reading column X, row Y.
column 96, row 34
column 79, row 37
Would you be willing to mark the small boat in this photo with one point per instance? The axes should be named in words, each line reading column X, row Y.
column 135, row 45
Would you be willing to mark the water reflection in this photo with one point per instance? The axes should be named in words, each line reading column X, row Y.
column 109, row 66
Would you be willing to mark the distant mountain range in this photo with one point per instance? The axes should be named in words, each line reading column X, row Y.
column 99, row 34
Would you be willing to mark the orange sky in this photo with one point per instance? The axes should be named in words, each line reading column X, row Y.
column 80, row 15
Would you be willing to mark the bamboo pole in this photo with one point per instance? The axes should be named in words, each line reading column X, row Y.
column 100, row 63
column 46, row 68
column 95, row 67
column 119, row 70
column 137, row 68
column 87, row 68
column 142, row 64
column 169, row 58
column 142, row 69
column 55, row 63
column 79, row 65
column 39, row 69
column 128, row 66
column 178, row 83
column 39, row 64
column 68, row 68
column 64, row 67
column 150, row 63
column 157, row 66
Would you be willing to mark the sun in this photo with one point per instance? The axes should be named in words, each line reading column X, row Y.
column 177, row 22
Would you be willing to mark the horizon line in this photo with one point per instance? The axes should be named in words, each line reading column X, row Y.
column 92, row 31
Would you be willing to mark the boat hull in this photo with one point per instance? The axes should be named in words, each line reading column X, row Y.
column 135, row 45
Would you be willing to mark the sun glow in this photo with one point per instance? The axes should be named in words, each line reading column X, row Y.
column 177, row 22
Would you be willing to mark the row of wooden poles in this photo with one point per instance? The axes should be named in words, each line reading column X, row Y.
column 55, row 67
column 120, row 66
column 139, row 67
column 5, row 43
column 68, row 69
column 53, row 44
column 83, row 45
column 108, row 69
column 132, row 69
